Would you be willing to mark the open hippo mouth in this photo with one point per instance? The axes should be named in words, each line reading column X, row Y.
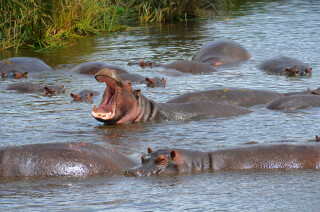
column 107, row 108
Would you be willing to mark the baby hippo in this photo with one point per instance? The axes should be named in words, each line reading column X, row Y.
column 14, row 74
column 28, row 87
column 286, row 66
column 84, row 95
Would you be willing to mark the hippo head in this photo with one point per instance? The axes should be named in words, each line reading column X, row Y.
column 78, row 97
column 51, row 90
column 120, row 103
column 156, row 82
column 163, row 161
column 14, row 74
column 298, row 70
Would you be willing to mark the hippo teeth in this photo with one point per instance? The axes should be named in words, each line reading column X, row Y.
column 104, row 116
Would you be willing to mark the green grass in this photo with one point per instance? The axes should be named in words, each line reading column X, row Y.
column 56, row 23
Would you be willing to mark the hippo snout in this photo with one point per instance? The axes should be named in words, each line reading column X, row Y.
column 136, row 173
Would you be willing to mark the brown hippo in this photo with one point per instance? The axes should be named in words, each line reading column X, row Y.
column 84, row 95
column 189, row 67
column 156, row 82
column 23, row 64
column 259, row 157
column 28, row 87
column 221, row 51
column 295, row 102
column 285, row 66
column 14, row 74
column 61, row 159
column 91, row 68
column 236, row 96
column 122, row 104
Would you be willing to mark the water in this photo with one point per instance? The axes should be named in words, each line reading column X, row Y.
column 267, row 29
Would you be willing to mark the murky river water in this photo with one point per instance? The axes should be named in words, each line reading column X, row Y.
column 266, row 29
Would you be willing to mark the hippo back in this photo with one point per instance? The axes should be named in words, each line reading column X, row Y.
column 23, row 64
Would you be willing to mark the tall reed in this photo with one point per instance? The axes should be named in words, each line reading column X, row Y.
column 43, row 23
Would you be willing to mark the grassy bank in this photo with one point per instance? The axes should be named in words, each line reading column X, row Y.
column 52, row 23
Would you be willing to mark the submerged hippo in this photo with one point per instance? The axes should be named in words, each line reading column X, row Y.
column 286, row 66
column 28, row 87
column 295, row 102
column 189, row 67
column 221, row 51
column 14, row 74
column 61, row 159
column 260, row 157
column 122, row 104
column 23, row 64
column 236, row 96
column 84, row 95
column 156, row 82
column 91, row 68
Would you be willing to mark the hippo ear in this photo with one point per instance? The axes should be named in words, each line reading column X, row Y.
column 147, row 79
column 128, row 83
column 164, row 80
column 173, row 154
column 72, row 95
column 149, row 150
column 2, row 74
column 309, row 70
column 25, row 74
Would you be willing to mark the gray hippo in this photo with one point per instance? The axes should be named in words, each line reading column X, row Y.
column 185, row 66
column 156, row 82
column 61, row 159
column 295, row 102
column 14, row 74
column 91, row 68
column 28, row 87
column 221, row 52
column 23, row 64
column 285, row 66
column 84, row 95
column 243, row 97
column 122, row 104
column 259, row 157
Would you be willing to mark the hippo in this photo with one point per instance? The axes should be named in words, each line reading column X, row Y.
column 23, row 64
column 61, row 159
column 285, row 66
column 221, row 52
column 295, row 102
column 243, row 97
column 28, row 87
column 122, row 104
column 91, row 68
column 156, row 82
column 84, row 95
column 14, row 74
column 185, row 66
column 259, row 157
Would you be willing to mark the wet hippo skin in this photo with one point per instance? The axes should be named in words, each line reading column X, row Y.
column 295, row 102
column 259, row 157
column 61, row 159
column 285, row 66
column 84, row 95
column 23, row 64
column 122, row 104
column 221, row 52
column 29, row 87
column 91, row 68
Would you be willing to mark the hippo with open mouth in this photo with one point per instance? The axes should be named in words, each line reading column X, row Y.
column 122, row 104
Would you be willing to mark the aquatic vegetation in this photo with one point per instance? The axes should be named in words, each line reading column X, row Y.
column 42, row 24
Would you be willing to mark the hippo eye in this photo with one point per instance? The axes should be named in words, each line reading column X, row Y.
column 162, row 160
